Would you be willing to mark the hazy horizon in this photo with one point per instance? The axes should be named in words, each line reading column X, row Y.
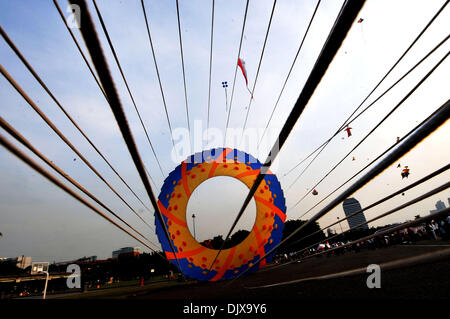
column 39, row 220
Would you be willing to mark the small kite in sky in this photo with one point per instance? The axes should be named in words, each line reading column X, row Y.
column 353, row 158
column 225, row 85
column 349, row 133
column 314, row 192
column 360, row 20
column 399, row 165
column 405, row 172
column 241, row 64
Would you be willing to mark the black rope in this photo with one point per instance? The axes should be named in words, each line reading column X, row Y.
column 376, row 126
column 44, row 86
column 157, row 73
column 344, row 21
column 346, row 122
column 78, row 47
column 14, row 133
column 210, row 68
column 259, row 66
column 396, row 209
column 235, row 73
column 63, row 137
column 376, row 100
column 116, row 58
column 290, row 70
column 400, row 191
column 423, row 132
column 33, row 164
column 182, row 65
column 93, row 44
column 391, row 230
column 374, row 160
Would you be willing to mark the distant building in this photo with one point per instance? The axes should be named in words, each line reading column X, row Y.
column 88, row 259
column 350, row 206
column 330, row 232
column 439, row 206
column 21, row 262
column 133, row 251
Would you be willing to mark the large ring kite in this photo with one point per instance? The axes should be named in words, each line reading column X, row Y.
column 195, row 259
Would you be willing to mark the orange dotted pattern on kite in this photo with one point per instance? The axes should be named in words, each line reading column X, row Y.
column 195, row 259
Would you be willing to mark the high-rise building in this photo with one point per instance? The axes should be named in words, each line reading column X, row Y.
column 350, row 206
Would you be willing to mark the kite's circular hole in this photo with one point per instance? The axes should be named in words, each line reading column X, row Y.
column 216, row 203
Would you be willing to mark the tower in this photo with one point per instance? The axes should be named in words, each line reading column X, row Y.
column 350, row 206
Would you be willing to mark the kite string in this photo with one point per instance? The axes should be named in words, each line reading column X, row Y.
column 116, row 58
column 422, row 133
column 210, row 69
column 348, row 121
column 374, row 160
column 259, row 67
column 379, row 123
column 33, row 164
column 182, row 65
column 92, row 42
column 334, row 40
column 365, row 109
column 289, row 73
column 235, row 73
column 157, row 73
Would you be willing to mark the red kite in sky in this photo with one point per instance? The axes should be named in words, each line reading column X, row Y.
column 241, row 64
column 349, row 133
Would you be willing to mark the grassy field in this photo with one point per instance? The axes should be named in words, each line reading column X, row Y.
column 124, row 290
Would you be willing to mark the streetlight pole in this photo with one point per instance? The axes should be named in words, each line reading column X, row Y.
column 193, row 221
column 46, row 281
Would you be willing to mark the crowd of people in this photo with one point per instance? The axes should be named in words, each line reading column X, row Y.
column 436, row 229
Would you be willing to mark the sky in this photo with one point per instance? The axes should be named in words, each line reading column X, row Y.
column 38, row 219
